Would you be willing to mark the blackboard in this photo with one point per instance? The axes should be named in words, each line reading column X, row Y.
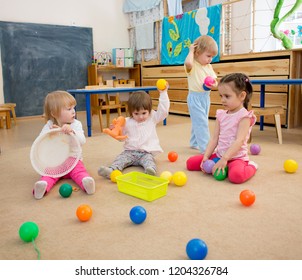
column 40, row 58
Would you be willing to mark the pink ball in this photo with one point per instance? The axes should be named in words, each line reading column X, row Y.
column 255, row 149
column 208, row 166
column 209, row 81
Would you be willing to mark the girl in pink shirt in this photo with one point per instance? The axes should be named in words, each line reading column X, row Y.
column 232, row 131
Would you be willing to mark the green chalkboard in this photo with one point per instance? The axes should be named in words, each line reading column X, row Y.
column 40, row 58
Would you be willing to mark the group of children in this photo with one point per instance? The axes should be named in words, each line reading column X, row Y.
column 229, row 141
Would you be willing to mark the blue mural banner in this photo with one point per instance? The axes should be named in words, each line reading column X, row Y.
column 179, row 32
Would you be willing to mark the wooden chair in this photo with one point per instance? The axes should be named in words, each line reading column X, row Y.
column 269, row 111
column 11, row 107
column 108, row 103
column 5, row 114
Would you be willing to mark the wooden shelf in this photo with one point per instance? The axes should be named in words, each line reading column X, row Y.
column 95, row 72
column 113, row 67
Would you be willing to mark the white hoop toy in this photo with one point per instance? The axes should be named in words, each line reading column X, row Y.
column 55, row 153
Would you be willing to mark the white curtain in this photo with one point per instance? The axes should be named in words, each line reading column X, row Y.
column 203, row 3
column 174, row 7
column 139, row 5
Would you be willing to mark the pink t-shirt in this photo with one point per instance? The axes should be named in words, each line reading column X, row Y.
column 228, row 131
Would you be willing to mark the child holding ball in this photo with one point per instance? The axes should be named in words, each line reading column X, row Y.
column 141, row 144
column 232, row 131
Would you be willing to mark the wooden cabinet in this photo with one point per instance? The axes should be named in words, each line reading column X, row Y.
column 266, row 65
column 96, row 75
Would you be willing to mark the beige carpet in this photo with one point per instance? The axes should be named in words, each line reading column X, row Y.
column 204, row 208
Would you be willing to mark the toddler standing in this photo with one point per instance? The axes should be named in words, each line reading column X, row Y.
column 197, row 67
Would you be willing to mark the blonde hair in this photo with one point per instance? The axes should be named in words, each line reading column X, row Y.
column 54, row 103
column 206, row 43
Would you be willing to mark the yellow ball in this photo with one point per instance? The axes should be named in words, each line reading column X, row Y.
column 166, row 175
column 179, row 178
column 114, row 174
column 161, row 84
column 290, row 166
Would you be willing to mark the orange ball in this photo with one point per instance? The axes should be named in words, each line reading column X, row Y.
column 172, row 156
column 84, row 212
column 247, row 197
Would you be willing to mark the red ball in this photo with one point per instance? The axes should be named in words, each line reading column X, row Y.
column 172, row 156
column 247, row 197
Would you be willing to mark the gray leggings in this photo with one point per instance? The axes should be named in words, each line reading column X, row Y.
column 129, row 158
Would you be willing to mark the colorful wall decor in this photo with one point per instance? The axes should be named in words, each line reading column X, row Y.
column 179, row 32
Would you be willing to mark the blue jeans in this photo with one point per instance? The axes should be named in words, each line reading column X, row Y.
column 199, row 107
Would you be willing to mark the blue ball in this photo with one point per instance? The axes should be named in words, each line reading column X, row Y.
column 196, row 249
column 205, row 87
column 138, row 214
column 215, row 159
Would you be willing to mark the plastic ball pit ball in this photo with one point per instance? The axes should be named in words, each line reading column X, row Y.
column 208, row 166
column 172, row 156
column 179, row 178
column 247, row 197
column 255, row 149
column 166, row 175
column 196, row 249
column 138, row 214
column 208, row 82
column 65, row 190
column 290, row 166
column 161, row 84
column 28, row 231
column 221, row 175
column 216, row 159
column 84, row 212
column 114, row 174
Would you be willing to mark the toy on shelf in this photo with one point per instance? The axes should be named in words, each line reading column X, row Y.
column 117, row 131
column 208, row 83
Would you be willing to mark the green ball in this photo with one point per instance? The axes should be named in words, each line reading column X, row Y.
column 221, row 175
column 28, row 231
column 65, row 190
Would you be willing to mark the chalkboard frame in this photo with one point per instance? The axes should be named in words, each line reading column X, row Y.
column 40, row 58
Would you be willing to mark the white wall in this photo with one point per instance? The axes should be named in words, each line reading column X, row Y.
column 264, row 41
column 106, row 18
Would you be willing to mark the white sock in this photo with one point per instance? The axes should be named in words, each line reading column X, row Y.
column 254, row 164
column 40, row 189
column 105, row 171
column 89, row 185
column 150, row 171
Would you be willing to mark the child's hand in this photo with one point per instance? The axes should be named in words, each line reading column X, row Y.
column 192, row 47
column 166, row 88
column 220, row 165
column 202, row 162
column 67, row 129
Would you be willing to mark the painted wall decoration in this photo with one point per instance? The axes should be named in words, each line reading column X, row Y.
column 284, row 36
column 179, row 32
